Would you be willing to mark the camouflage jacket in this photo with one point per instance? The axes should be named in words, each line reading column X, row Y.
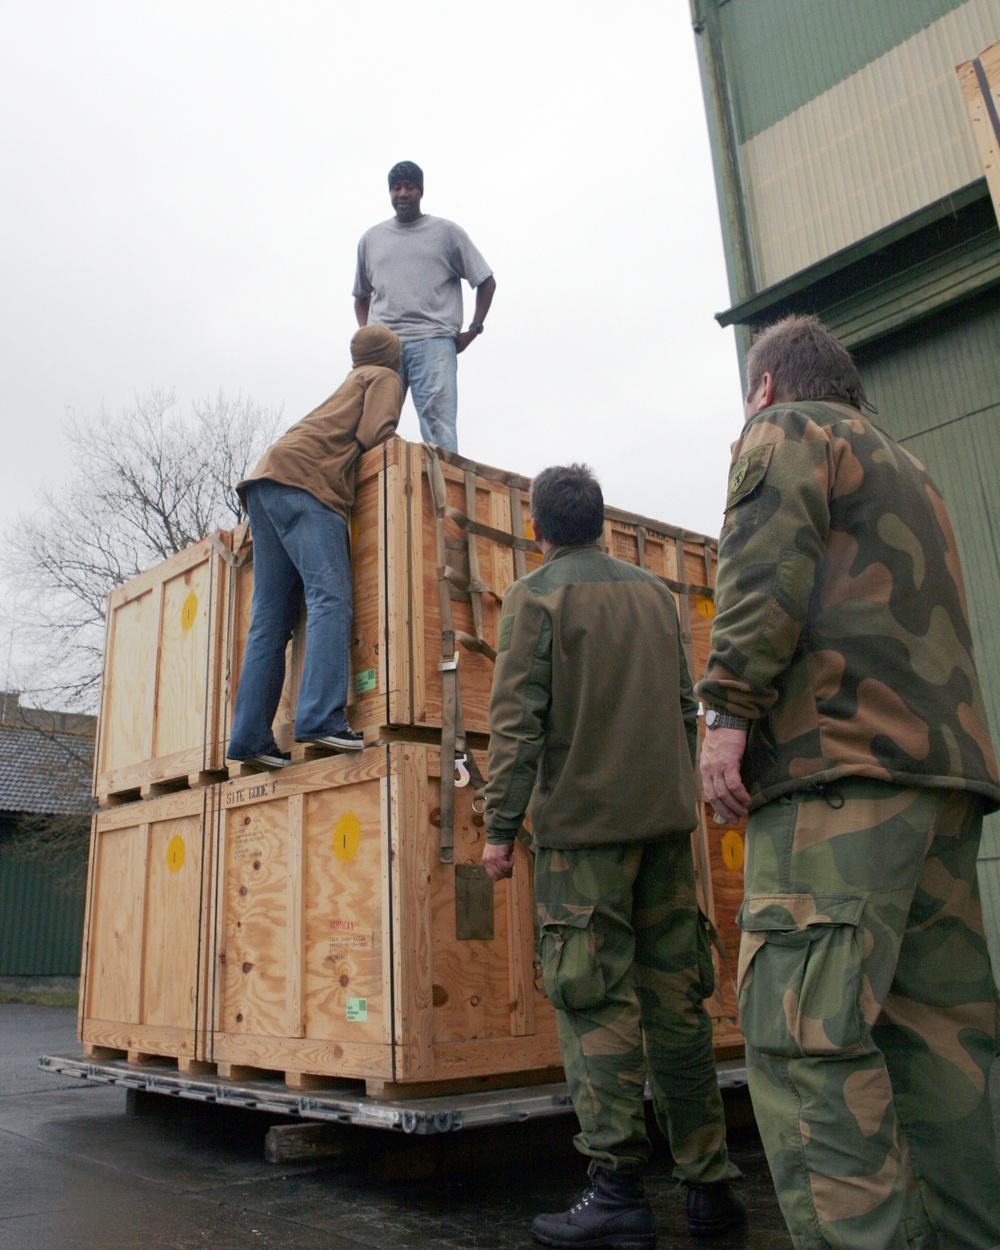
column 841, row 627
column 592, row 715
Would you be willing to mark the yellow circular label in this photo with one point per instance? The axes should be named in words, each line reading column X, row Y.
column 175, row 853
column 189, row 611
column 732, row 850
column 346, row 836
column 704, row 606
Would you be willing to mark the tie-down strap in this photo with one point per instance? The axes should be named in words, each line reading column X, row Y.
column 453, row 746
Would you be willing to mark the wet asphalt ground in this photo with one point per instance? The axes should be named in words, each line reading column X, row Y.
column 82, row 1170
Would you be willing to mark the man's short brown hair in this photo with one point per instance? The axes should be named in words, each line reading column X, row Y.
column 568, row 505
column 805, row 361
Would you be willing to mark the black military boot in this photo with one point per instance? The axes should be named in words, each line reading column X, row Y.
column 614, row 1213
column 713, row 1209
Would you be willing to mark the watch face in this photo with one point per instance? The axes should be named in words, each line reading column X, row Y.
column 711, row 716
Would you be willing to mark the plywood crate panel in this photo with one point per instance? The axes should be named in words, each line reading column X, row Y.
column 146, row 933
column 719, row 856
column 980, row 81
column 396, row 638
column 344, row 948
column 161, row 689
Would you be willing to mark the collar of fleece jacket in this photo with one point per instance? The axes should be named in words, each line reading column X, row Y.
column 376, row 345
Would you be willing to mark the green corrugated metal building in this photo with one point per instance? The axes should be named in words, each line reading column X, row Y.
column 46, row 760
column 850, row 186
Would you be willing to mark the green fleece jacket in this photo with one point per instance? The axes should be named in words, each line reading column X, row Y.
column 841, row 627
column 592, row 715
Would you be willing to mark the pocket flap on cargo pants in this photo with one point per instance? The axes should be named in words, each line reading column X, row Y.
column 574, row 979
column 555, row 917
column 797, row 993
column 798, row 911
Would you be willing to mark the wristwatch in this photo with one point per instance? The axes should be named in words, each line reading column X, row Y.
column 477, row 326
column 723, row 720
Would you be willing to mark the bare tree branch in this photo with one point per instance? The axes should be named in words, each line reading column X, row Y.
column 147, row 482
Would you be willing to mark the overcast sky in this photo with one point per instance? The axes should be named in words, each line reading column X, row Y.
column 185, row 184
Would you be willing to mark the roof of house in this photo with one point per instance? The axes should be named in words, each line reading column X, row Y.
column 45, row 771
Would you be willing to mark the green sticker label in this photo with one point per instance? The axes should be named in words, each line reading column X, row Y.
column 357, row 1010
column 365, row 681
column 506, row 629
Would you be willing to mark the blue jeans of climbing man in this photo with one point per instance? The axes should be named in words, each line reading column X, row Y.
column 300, row 550
column 429, row 369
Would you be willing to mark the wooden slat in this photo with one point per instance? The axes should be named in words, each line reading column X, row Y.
column 84, row 995
column 521, row 959
column 294, row 913
column 414, row 860
column 418, row 589
column 980, row 79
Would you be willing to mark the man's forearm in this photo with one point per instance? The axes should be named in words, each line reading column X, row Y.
column 361, row 307
column 484, row 298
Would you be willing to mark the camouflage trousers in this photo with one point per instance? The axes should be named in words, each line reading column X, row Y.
column 626, row 959
column 868, row 1005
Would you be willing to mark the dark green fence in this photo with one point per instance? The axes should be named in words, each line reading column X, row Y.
column 42, row 888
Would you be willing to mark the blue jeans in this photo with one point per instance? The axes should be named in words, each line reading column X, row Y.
column 429, row 368
column 300, row 547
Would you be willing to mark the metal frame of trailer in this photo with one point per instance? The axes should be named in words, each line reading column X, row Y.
column 446, row 1113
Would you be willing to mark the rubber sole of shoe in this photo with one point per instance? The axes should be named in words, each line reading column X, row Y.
column 262, row 761
column 716, row 1229
column 333, row 743
column 625, row 1241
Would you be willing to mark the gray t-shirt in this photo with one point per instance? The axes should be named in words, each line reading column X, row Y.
column 413, row 273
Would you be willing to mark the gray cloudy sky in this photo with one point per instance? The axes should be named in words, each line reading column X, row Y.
column 185, row 185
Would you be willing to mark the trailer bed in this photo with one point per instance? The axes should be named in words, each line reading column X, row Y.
column 446, row 1113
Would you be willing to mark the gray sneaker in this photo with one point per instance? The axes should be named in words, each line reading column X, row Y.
column 342, row 740
column 266, row 759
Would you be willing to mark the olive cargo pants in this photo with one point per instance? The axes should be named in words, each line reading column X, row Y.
column 868, row 1005
column 626, row 959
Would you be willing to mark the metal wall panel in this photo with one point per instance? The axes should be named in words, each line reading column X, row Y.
column 884, row 143
column 807, row 48
column 41, row 913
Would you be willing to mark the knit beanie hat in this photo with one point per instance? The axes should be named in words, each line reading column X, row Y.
column 407, row 171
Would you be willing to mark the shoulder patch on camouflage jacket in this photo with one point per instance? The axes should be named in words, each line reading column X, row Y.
column 748, row 473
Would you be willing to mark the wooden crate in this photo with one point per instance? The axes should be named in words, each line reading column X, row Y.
column 301, row 922
column 396, row 640
column 344, row 948
column 162, row 687
column 980, row 80
column 146, row 931
column 719, row 852
column 685, row 560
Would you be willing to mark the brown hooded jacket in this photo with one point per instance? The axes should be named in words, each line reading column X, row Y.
column 320, row 452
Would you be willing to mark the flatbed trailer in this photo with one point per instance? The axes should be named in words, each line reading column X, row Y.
column 444, row 1113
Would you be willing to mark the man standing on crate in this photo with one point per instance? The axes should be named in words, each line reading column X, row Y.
column 593, row 719
column 298, row 499
column 844, row 712
column 409, row 278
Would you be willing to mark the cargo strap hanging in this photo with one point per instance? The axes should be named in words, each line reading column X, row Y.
column 456, row 760
column 458, row 765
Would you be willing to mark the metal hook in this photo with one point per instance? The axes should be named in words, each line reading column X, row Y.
column 461, row 772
